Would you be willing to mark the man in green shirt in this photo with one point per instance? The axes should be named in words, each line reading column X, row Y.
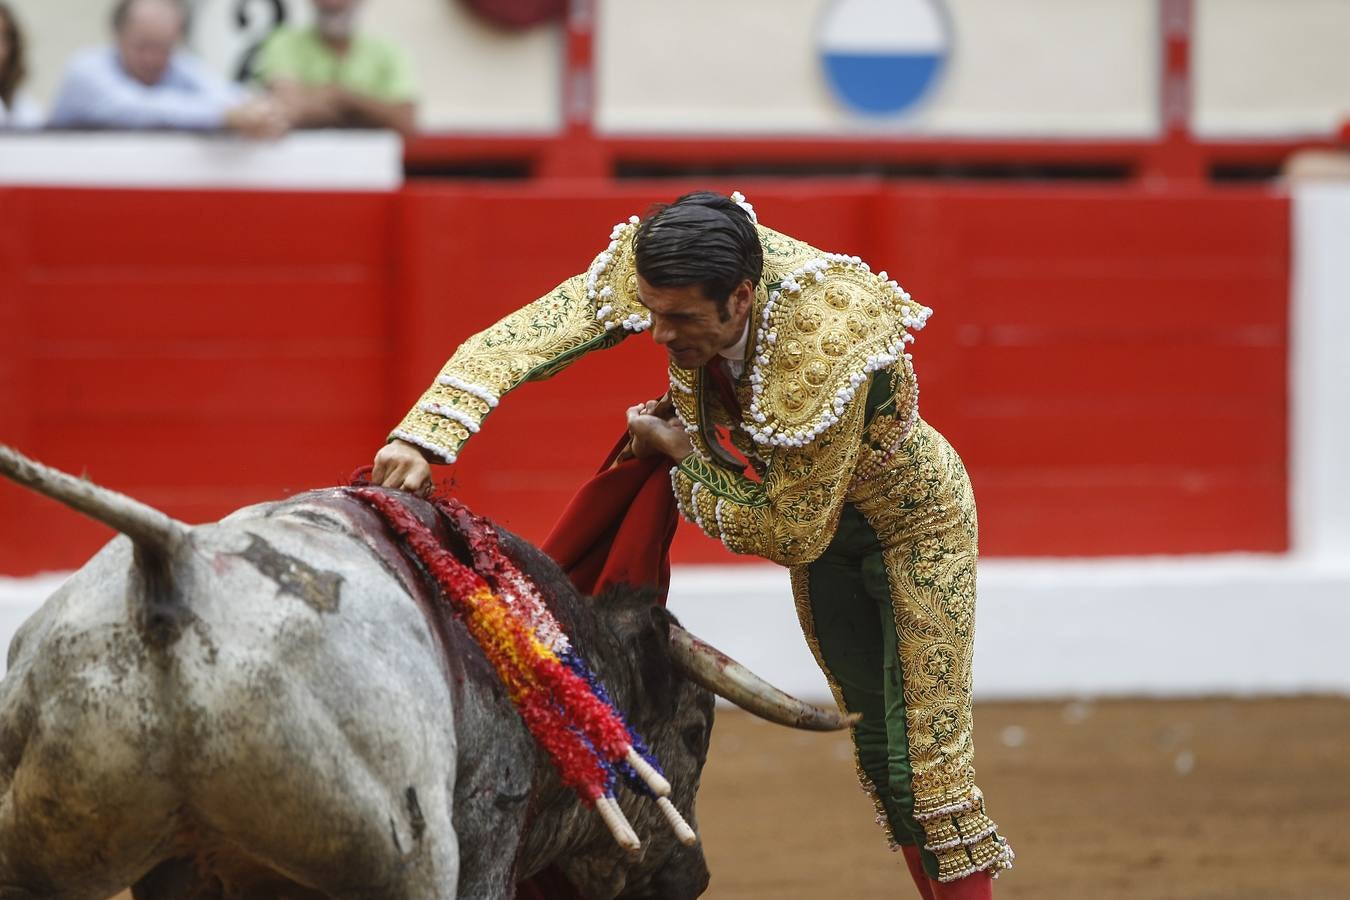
column 331, row 76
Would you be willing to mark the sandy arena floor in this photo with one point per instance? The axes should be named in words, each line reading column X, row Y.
column 1218, row 799
column 1113, row 800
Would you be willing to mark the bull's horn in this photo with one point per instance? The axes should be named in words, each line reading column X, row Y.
column 145, row 525
column 719, row 673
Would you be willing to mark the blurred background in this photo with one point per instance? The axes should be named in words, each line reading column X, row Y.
column 236, row 244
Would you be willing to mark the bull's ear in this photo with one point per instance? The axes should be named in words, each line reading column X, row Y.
column 654, row 658
column 661, row 619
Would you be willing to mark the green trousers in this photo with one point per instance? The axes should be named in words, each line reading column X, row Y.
column 889, row 611
column 855, row 629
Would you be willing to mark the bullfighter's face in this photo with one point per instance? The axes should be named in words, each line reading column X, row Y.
column 692, row 326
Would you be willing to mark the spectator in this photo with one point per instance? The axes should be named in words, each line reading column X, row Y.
column 17, row 108
column 146, row 81
column 332, row 76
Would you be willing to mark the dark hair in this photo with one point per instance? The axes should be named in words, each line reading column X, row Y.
column 702, row 239
column 15, row 67
column 123, row 9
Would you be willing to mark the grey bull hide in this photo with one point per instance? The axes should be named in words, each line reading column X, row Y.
column 264, row 707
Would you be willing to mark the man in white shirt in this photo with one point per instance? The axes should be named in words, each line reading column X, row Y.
column 146, row 81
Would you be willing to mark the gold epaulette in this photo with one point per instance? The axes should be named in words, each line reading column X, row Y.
column 826, row 326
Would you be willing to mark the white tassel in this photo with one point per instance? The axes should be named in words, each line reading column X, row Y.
column 614, row 819
column 660, row 787
column 677, row 822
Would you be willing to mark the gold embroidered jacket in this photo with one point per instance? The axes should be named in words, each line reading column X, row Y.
column 830, row 416
column 821, row 325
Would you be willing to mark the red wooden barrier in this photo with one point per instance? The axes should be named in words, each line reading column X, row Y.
column 1110, row 363
column 1113, row 367
column 200, row 351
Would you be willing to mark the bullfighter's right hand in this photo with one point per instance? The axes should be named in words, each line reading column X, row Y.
column 653, row 433
column 662, row 408
column 401, row 465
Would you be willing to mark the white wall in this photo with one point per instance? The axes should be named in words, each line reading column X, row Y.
column 55, row 30
column 1271, row 67
column 1046, row 628
column 304, row 161
column 1177, row 626
column 1033, row 68
column 1030, row 67
column 1320, row 372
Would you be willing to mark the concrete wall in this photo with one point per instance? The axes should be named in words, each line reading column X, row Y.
column 1320, row 373
column 1268, row 67
column 1033, row 68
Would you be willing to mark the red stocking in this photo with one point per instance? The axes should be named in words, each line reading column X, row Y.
column 979, row 886
column 915, row 863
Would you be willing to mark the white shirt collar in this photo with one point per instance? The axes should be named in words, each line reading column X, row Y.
column 736, row 352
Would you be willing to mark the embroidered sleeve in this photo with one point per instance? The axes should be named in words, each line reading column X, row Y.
column 592, row 311
column 531, row 344
column 789, row 517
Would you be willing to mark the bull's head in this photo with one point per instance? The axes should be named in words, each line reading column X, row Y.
column 664, row 679
column 630, row 639
column 697, row 668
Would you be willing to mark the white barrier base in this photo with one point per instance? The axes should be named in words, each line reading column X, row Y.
column 303, row 161
column 1167, row 626
column 1170, row 626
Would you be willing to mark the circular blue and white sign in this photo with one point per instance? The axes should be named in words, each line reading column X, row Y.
column 883, row 56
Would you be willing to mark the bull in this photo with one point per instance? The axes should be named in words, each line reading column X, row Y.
column 276, row 705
